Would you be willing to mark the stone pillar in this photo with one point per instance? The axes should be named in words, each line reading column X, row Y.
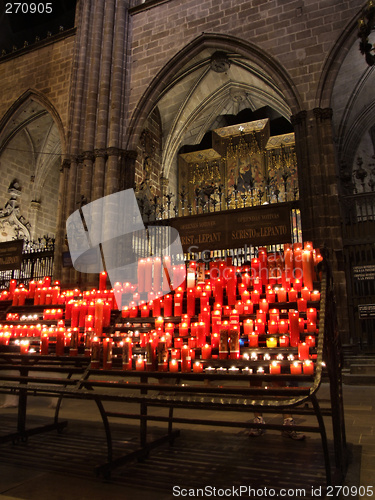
column 97, row 112
column 320, row 209
column 79, row 78
column 33, row 218
column 69, row 275
column 60, row 243
column 87, row 176
column 117, row 112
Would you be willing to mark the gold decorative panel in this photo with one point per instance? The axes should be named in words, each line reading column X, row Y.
column 244, row 167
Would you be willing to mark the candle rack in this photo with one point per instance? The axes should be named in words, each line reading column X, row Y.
column 84, row 381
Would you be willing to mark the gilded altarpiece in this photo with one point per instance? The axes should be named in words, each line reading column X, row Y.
column 244, row 167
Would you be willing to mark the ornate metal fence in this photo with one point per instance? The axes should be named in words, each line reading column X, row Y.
column 359, row 250
column 165, row 215
column 212, row 200
column 37, row 262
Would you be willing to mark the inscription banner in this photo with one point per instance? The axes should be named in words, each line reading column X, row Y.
column 364, row 273
column 11, row 255
column 366, row 311
column 265, row 225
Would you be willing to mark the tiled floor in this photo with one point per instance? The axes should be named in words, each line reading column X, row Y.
column 60, row 466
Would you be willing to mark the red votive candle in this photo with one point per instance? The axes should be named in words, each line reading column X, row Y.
column 44, row 341
column 167, row 306
column 284, row 341
column 255, row 296
column 248, row 326
column 311, row 327
column 178, row 342
column 303, row 351
column 175, row 353
column 107, row 353
column 248, row 307
column 281, row 295
column 178, row 304
column 259, row 326
column 102, row 280
column 253, row 340
column 215, row 340
column 301, row 305
column 295, row 368
column 294, row 328
column 275, row 368
column 273, row 327
column 305, row 293
column 198, row 367
column 292, row 295
column 283, row 326
column 311, row 315
column 192, row 342
column 310, row 340
column 308, row 367
column 140, row 363
column 173, row 365
column 206, row 351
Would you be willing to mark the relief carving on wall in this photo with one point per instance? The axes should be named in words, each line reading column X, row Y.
column 13, row 226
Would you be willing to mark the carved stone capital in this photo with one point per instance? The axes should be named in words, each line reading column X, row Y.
column 88, row 155
column 220, row 62
column 299, row 118
column 113, row 151
column 65, row 164
column 74, row 159
column 79, row 158
column 35, row 205
column 323, row 113
column 100, row 153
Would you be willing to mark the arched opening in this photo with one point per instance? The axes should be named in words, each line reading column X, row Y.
column 348, row 90
column 214, row 83
column 30, row 154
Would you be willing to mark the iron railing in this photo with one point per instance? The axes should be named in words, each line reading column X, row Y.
column 210, row 200
column 141, row 246
column 37, row 262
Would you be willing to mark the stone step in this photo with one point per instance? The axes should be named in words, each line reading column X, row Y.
column 365, row 369
column 358, row 379
column 358, row 360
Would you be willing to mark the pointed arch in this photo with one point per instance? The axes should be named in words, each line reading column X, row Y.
column 334, row 62
column 32, row 143
column 41, row 99
column 220, row 42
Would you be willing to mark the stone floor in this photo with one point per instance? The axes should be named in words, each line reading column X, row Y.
column 54, row 466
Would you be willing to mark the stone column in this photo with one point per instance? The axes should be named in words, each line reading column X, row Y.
column 60, row 245
column 76, row 127
column 33, row 218
column 115, row 179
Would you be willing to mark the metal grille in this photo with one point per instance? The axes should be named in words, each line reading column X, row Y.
column 359, row 251
column 37, row 262
column 141, row 245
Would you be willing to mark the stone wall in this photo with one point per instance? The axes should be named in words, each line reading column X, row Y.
column 290, row 31
column 46, row 70
column 42, row 213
